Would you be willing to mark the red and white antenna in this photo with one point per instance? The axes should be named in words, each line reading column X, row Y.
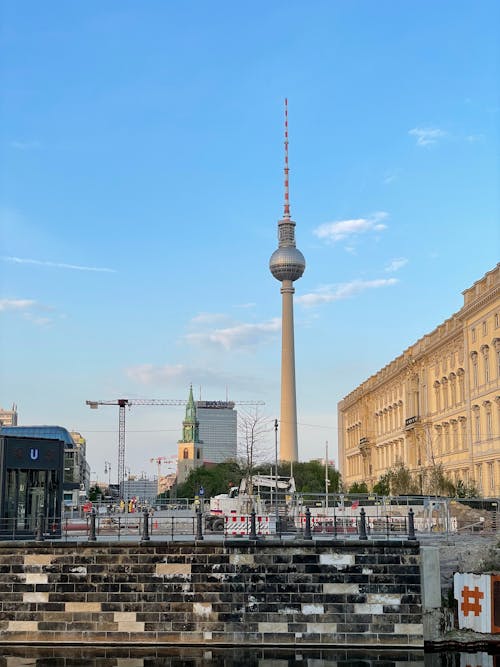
column 287, row 194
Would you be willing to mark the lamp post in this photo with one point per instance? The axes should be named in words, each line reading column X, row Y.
column 276, row 472
column 107, row 471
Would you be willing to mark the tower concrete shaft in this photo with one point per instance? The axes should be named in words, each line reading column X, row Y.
column 289, row 448
column 287, row 264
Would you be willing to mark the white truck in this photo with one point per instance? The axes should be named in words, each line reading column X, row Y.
column 242, row 499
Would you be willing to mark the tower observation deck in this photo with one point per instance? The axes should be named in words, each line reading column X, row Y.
column 287, row 264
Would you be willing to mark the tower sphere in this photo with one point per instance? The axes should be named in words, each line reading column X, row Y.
column 287, row 263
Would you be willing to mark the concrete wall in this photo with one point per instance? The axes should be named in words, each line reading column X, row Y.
column 232, row 592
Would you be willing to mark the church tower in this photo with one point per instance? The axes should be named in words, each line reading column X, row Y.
column 189, row 447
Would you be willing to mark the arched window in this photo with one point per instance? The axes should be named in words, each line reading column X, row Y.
column 475, row 377
column 437, row 387
column 453, row 388
column 185, row 453
column 444, row 384
column 461, row 384
column 486, row 362
column 489, row 420
column 477, row 423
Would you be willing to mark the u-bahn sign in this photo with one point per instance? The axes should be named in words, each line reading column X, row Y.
column 34, row 454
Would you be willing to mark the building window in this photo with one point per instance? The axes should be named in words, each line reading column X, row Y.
column 453, row 389
column 475, row 378
column 491, row 476
column 497, row 321
column 485, row 328
column 438, row 395
column 461, row 384
column 185, row 454
column 444, row 383
column 489, row 420
column 477, row 423
column 473, row 334
column 486, row 362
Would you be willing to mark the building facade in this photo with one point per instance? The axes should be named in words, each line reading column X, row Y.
column 437, row 404
column 218, row 430
column 8, row 417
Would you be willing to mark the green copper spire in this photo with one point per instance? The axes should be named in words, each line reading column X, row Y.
column 190, row 424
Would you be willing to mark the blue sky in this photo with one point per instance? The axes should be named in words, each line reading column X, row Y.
column 142, row 180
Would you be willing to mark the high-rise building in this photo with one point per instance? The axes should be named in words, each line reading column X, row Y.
column 437, row 404
column 287, row 264
column 8, row 417
column 218, row 430
column 190, row 452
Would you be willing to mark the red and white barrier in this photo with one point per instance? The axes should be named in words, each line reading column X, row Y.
column 240, row 525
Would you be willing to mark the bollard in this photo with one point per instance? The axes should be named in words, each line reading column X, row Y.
column 145, row 526
column 362, row 525
column 411, row 525
column 253, row 528
column 199, row 518
column 92, row 536
column 39, row 528
column 307, row 531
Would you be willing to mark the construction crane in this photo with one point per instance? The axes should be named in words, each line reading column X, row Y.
column 122, row 403
column 159, row 460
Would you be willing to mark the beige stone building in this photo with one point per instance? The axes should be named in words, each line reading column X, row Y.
column 8, row 417
column 437, row 403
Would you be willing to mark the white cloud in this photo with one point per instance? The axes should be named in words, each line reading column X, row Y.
column 208, row 318
column 149, row 374
column 250, row 304
column 237, row 336
column 330, row 293
column 336, row 231
column 16, row 304
column 396, row 264
column 426, row 136
column 181, row 375
column 57, row 265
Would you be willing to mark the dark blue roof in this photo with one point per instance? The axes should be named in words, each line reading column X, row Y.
column 53, row 432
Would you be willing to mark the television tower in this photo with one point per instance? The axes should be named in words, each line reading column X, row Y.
column 287, row 264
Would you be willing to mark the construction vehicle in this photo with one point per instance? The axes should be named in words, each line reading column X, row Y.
column 256, row 493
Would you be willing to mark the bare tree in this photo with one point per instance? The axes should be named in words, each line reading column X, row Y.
column 253, row 441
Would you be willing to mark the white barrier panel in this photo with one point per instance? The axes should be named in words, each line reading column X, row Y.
column 473, row 594
column 476, row 660
column 240, row 525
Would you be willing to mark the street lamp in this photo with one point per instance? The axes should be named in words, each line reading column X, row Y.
column 276, row 470
column 107, row 471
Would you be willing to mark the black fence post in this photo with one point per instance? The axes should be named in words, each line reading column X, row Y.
column 145, row 526
column 39, row 528
column 199, row 528
column 335, row 526
column 92, row 536
column 307, row 531
column 411, row 525
column 362, row 525
column 253, row 527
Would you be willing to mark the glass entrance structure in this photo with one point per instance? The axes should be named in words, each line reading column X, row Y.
column 31, row 486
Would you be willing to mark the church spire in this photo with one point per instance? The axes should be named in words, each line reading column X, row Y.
column 190, row 423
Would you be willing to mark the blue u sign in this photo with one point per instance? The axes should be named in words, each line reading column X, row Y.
column 33, row 454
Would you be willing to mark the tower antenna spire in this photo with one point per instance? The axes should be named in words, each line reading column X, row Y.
column 286, row 207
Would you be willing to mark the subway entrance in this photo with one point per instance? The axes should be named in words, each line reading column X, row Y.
column 31, row 479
